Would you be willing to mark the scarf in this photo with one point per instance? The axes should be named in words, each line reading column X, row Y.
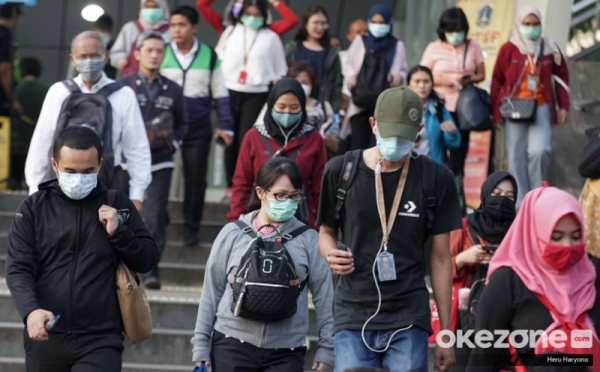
column 382, row 43
column 274, row 129
column 491, row 229
column 572, row 292
column 531, row 47
column 163, row 21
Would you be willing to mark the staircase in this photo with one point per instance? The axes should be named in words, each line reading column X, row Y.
column 174, row 308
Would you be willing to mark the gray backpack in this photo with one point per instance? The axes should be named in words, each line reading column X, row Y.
column 92, row 110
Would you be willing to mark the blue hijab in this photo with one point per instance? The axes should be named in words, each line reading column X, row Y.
column 379, row 44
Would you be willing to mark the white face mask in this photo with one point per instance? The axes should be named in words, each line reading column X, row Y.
column 77, row 186
column 307, row 90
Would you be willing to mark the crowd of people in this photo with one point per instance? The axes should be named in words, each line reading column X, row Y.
column 344, row 178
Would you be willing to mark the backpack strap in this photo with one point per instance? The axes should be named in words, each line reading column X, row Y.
column 213, row 65
column 139, row 26
column 465, row 56
column 428, row 173
column 473, row 234
column 299, row 231
column 162, row 29
column 71, row 86
column 246, row 229
column 349, row 170
column 111, row 195
column 266, row 143
column 109, row 89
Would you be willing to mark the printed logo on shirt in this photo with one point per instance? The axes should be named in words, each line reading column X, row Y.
column 163, row 103
column 409, row 208
column 122, row 215
column 142, row 99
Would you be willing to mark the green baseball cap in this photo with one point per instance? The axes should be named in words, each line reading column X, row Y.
column 399, row 113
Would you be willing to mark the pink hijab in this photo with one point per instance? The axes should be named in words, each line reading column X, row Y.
column 163, row 21
column 571, row 292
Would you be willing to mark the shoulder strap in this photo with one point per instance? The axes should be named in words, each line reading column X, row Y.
column 299, row 231
column 473, row 234
column 428, row 176
column 163, row 28
column 111, row 195
column 246, row 229
column 71, row 85
column 213, row 64
column 464, row 235
column 109, row 89
column 266, row 143
column 349, row 170
column 541, row 55
column 139, row 26
column 465, row 56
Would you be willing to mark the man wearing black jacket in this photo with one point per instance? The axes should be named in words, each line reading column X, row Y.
column 61, row 261
column 161, row 102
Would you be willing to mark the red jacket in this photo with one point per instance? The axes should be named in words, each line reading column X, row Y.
column 311, row 160
column 507, row 73
column 280, row 27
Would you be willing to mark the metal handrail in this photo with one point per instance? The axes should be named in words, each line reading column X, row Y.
column 581, row 5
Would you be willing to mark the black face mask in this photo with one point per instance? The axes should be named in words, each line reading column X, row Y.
column 500, row 208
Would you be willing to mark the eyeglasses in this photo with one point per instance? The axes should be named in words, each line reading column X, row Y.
column 319, row 24
column 282, row 196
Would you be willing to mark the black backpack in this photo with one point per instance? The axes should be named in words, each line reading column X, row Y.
column 467, row 318
column 302, row 212
column 589, row 164
column 350, row 169
column 373, row 77
column 92, row 110
column 265, row 286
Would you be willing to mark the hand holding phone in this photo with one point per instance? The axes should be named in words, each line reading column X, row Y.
column 340, row 260
column 489, row 248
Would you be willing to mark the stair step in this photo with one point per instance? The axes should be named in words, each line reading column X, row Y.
column 166, row 346
column 9, row 364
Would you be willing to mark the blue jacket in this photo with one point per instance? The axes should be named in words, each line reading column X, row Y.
column 439, row 141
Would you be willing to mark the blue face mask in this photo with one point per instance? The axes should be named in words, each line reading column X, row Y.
column 394, row 148
column 530, row 32
column 252, row 22
column 152, row 14
column 286, row 119
column 455, row 38
column 282, row 210
column 378, row 30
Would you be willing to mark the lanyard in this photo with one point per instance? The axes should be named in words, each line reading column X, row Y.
column 386, row 225
column 247, row 52
column 532, row 63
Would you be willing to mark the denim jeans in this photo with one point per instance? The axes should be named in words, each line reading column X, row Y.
column 407, row 352
column 528, row 146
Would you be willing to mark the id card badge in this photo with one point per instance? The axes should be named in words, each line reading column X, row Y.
column 532, row 83
column 242, row 78
column 386, row 267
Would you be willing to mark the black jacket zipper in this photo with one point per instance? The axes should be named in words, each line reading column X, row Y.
column 74, row 268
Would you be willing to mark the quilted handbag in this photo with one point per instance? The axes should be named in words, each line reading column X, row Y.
column 519, row 109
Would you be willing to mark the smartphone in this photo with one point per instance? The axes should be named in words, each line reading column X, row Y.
column 335, row 124
column 341, row 246
column 50, row 323
column 489, row 248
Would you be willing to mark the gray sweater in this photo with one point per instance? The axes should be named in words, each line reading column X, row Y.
column 214, row 312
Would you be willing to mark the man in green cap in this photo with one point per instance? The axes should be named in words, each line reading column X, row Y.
column 388, row 202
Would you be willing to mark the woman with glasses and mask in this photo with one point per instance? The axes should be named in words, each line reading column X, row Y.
column 284, row 132
column 313, row 45
column 238, row 342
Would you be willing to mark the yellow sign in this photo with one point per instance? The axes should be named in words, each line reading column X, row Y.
column 4, row 152
column 490, row 23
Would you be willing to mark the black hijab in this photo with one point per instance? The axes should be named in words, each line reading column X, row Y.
column 276, row 131
column 494, row 216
